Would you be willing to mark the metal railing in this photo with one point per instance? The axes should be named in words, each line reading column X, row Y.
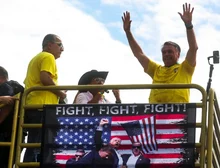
column 213, row 140
column 202, row 104
column 11, row 144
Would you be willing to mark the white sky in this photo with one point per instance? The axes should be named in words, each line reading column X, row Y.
column 94, row 39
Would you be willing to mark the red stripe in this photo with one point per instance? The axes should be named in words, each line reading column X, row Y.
column 64, row 157
column 171, row 116
column 168, row 126
column 163, row 155
column 160, row 146
column 169, row 136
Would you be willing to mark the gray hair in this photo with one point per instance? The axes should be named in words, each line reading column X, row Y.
column 48, row 38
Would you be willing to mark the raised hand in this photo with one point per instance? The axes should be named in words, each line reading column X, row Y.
column 187, row 13
column 103, row 121
column 126, row 21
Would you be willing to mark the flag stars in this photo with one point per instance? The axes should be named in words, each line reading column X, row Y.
column 61, row 136
column 75, row 140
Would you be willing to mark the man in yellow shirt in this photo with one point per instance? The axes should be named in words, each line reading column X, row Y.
column 42, row 71
column 171, row 72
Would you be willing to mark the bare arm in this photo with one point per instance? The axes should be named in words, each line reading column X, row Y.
column 46, row 80
column 193, row 47
column 136, row 49
column 9, row 100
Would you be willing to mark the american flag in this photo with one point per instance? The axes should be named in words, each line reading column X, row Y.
column 142, row 131
column 167, row 133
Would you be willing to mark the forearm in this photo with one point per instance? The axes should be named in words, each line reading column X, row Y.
column 191, row 39
column 46, row 80
column 136, row 49
column 191, row 54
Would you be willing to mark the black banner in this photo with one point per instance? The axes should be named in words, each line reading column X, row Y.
column 150, row 135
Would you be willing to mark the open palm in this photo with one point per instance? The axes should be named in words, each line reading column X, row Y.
column 187, row 13
column 126, row 21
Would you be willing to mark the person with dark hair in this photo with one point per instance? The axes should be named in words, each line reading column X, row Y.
column 99, row 157
column 77, row 156
column 42, row 71
column 96, row 158
column 94, row 77
column 172, row 71
column 8, row 89
column 115, row 143
column 136, row 159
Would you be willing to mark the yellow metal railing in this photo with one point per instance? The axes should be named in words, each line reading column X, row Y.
column 202, row 104
column 11, row 144
column 213, row 140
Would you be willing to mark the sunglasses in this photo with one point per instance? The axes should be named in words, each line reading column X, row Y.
column 99, row 80
column 136, row 147
column 59, row 44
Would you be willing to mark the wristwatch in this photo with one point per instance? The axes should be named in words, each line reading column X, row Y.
column 189, row 26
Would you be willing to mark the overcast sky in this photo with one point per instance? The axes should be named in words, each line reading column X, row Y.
column 93, row 38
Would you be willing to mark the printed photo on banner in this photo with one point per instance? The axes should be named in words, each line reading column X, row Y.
column 117, row 135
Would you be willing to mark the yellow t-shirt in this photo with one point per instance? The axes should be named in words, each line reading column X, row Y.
column 44, row 61
column 178, row 73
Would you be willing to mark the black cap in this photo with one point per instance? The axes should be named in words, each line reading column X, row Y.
column 87, row 77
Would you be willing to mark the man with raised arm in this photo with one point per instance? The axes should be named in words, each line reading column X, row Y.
column 172, row 71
